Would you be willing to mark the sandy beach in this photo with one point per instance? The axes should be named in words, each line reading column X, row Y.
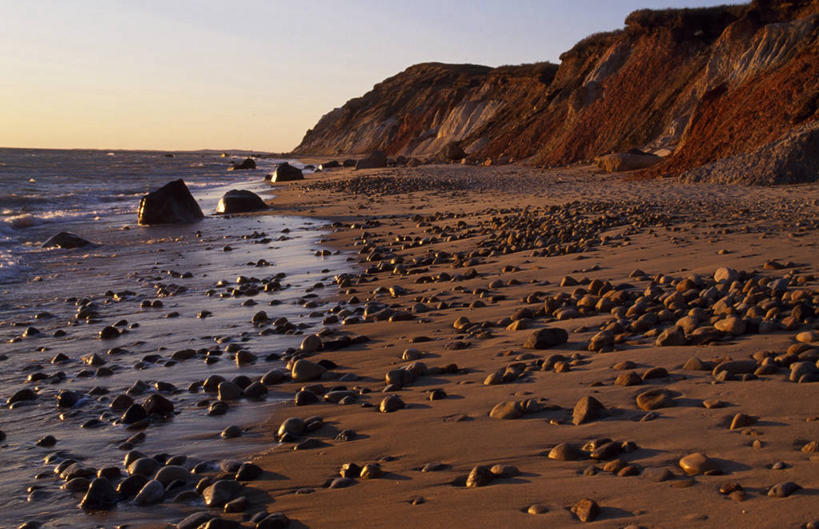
column 457, row 281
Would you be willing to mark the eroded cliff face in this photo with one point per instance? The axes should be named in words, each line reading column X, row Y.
column 700, row 84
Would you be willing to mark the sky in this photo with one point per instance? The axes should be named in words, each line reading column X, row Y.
column 249, row 74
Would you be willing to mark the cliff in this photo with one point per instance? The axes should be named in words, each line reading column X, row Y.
column 697, row 85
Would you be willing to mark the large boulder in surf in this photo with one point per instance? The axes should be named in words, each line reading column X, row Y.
column 170, row 204
column 66, row 240
column 239, row 201
column 373, row 161
column 286, row 173
column 626, row 161
column 246, row 164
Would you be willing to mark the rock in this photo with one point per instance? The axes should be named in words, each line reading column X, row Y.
column 504, row 471
column 99, row 496
column 628, row 379
column 371, row 471
column 479, row 476
column 672, row 336
column 24, row 394
column 286, row 173
column 244, row 165
column 741, row 420
column 341, row 483
column 239, row 201
column 221, row 523
column 304, row 398
column 305, row 371
column 375, row 160
column 698, row 463
column 451, row 152
column 248, row 472
column 109, row 333
column 195, row 520
column 130, row 486
column 228, row 391
column 654, row 399
column 231, row 432
column 729, row 275
column 170, row 473
column 588, row 409
column 170, row 204
column 537, row 508
column 144, row 466
column 275, row 520
column 800, row 369
column 156, row 404
column 509, row 409
column 783, row 490
column 237, row 505
column 151, row 493
column 657, row 474
column 293, row 426
column 586, row 510
column 221, row 492
column 545, row 338
column 731, row 325
column 311, row 344
column 391, row 403
column 565, row 452
column 735, row 367
column 255, row 390
column 66, row 240
column 811, row 336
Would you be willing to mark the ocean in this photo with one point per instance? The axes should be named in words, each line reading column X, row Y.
column 50, row 345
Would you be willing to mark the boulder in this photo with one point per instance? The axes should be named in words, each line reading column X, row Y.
column 545, row 338
column 66, row 240
column 373, row 161
column 286, row 173
column 451, row 152
column 588, row 409
column 244, row 165
column 626, row 161
column 239, row 201
column 332, row 164
column 170, row 204
column 100, row 495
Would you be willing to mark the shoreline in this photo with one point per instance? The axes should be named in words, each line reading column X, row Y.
column 495, row 245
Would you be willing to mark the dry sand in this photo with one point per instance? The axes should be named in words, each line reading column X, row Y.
column 668, row 230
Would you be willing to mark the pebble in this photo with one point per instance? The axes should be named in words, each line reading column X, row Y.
column 479, row 476
column 698, row 463
column 783, row 489
column 588, row 409
column 151, row 493
column 305, row 371
column 221, row 492
column 99, row 496
column 390, row 404
column 546, row 338
column 654, row 399
column 586, row 510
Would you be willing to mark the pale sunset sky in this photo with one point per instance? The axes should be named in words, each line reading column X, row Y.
column 248, row 74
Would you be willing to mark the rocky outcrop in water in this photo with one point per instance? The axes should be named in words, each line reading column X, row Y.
column 693, row 85
column 170, row 204
column 239, row 201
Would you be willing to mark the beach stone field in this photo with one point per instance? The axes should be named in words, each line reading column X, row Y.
column 508, row 347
